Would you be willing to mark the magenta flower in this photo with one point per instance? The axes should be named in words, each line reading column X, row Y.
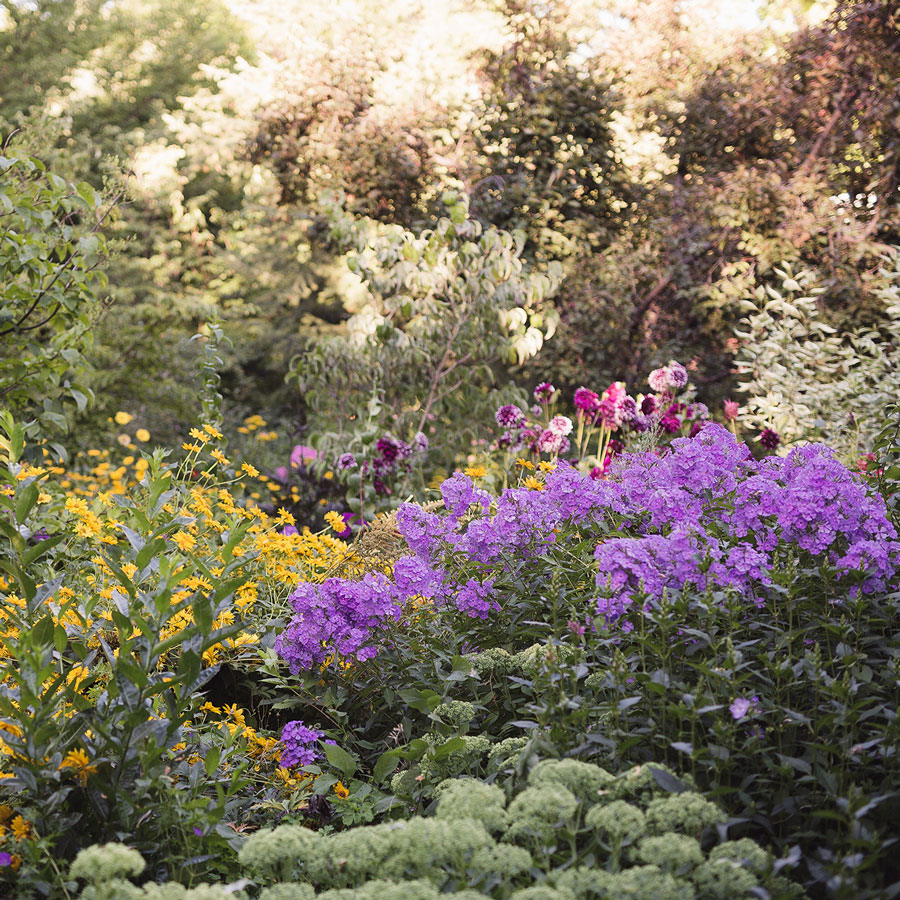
column 616, row 392
column 586, row 401
column 346, row 461
column 544, row 391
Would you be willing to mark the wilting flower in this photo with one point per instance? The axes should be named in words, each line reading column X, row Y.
column 770, row 439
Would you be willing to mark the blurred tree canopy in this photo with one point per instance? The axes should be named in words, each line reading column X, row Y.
column 670, row 156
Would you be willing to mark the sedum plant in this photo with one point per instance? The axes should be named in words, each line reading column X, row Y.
column 645, row 834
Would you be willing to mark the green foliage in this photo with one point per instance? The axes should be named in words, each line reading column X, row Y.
column 547, row 159
column 50, row 251
column 809, row 381
column 443, row 310
column 545, row 844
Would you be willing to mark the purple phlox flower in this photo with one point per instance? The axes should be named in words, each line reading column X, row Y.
column 473, row 599
column 337, row 616
column 301, row 454
column 414, row 577
column 459, row 493
column 300, row 744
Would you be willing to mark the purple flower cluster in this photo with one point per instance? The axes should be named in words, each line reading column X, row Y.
column 337, row 616
column 702, row 514
column 300, row 744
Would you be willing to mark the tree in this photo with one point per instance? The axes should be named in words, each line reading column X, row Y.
column 51, row 247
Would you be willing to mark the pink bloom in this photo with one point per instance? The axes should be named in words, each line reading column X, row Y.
column 658, row 380
column 544, row 391
column 301, row 454
column 561, row 425
column 731, row 409
column 550, row 442
column 616, row 392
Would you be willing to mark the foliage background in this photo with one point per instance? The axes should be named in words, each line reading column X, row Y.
column 671, row 157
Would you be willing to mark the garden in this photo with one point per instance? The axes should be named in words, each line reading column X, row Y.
column 450, row 452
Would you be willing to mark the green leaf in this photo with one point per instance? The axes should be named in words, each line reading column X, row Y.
column 211, row 762
column 340, row 759
column 25, row 501
column 386, row 764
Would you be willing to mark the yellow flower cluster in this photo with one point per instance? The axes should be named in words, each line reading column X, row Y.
column 207, row 501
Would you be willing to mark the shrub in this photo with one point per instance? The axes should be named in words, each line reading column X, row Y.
column 696, row 604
